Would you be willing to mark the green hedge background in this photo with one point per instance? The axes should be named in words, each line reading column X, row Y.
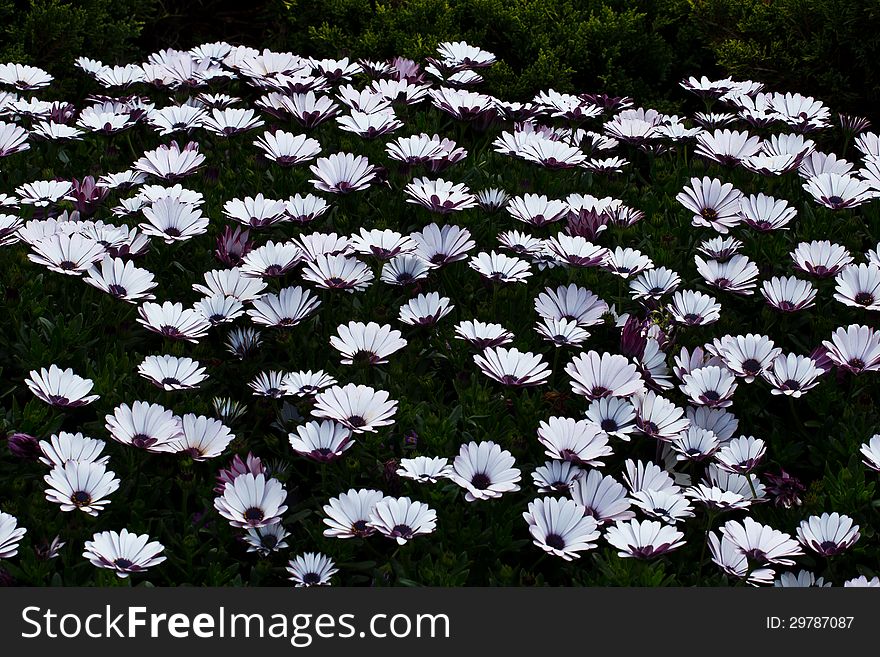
column 825, row 48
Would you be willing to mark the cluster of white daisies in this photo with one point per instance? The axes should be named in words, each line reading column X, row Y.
column 578, row 504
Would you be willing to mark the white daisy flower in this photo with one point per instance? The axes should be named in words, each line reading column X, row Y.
column 322, row 441
column 123, row 552
column 81, row 485
column 369, row 343
column 559, row 527
column 348, row 516
column 425, row 469
column 511, row 367
column 144, row 426
column 485, row 471
column 202, row 438
column 311, row 569
column 60, row 388
column 250, row 501
column 402, row 519
column 358, row 407
column 172, row 373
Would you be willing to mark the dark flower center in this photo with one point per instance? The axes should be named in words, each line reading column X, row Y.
column 365, row 357
column 123, row 563
column 756, row 554
column 403, row 531
column 117, row 290
column 356, row 421
column 692, row 318
column 791, row 384
column 254, row 515
column 59, row 400
column 710, row 395
column 170, row 331
column 67, row 265
column 650, row 428
column 751, row 366
column 856, row 363
column 481, row 481
column 835, row 201
column 360, row 528
column 311, row 578
column 170, row 381
column 599, row 391
column 269, row 541
column 608, row 425
column 864, row 298
column 172, row 232
column 274, row 270
column 81, row 498
column 142, row 440
column 555, row 541
column 709, row 213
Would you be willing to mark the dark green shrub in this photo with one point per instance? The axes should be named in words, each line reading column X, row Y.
column 610, row 45
column 826, row 48
column 51, row 34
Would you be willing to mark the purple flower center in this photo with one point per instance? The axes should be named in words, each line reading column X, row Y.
column 864, row 299
column 481, row 481
column 710, row 396
column 311, row 578
column 751, row 366
column 609, row 424
column 142, row 441
column 402, row 531
column 81, row 498
column 555, row 541
column 170, row 331
column 253, row 515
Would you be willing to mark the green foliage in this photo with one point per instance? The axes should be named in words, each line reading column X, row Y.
column 828, row 48
column 616, row 46
column 51, row 34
